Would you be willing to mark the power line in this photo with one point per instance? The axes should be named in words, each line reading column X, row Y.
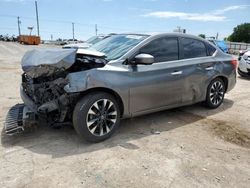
column 7, row 16
column 113, row 28
column 84, row 24
column 63, row 21
column 87, row 25
column 8, row 28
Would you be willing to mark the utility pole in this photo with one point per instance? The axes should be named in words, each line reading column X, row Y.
column 73, row 30
column 37, row 20
column 179, row 28
column 18, row 24
column 96, row 29
column 217, row 36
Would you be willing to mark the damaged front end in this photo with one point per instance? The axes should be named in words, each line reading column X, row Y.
column 43, row 81
column 46, row 97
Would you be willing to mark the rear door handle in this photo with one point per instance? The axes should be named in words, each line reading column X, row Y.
column 209, row 68
column 176, row 73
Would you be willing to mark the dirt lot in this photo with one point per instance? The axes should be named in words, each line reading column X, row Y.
column 196, row 147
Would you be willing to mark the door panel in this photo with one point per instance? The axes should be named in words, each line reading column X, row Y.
column 197, row 75
column 155, row 86
column 197, row 67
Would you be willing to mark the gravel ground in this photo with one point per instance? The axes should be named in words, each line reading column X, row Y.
column 184, row 147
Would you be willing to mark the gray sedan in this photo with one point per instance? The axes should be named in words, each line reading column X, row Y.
column 124, row 76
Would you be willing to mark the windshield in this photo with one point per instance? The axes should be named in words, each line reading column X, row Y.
column 94, row 40
column 116, row 46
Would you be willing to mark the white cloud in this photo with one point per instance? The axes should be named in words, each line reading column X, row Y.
column 217, row 15
column 227, row 9
column 185, row 16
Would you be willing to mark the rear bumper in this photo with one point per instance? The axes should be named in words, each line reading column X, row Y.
column 231, row 81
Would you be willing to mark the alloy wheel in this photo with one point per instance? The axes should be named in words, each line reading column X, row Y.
column 101, row 117
column 216, row 93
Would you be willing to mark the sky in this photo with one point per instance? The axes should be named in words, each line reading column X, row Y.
column 121, row 16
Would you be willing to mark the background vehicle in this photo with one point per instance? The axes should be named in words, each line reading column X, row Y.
column 88, row 43
column 221, row 44
column 8, row 38
column 241, row 53
column 123, row 76
column 244, row 65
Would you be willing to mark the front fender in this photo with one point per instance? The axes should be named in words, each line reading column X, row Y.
column 86, row 80
column 77, row 82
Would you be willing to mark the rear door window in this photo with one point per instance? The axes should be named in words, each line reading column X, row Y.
column 163, row 49
column 192, row 48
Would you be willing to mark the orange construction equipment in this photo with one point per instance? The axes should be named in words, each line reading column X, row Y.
column 29, row 39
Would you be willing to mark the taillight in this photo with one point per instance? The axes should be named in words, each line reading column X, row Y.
column 234, row 62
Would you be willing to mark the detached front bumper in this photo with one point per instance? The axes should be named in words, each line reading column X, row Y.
column 22, row 116
column 19, row 118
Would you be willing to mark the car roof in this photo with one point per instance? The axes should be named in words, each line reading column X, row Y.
column 161, row 34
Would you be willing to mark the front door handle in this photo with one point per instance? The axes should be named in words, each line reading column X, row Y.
column 209, row 68
column 176, row 73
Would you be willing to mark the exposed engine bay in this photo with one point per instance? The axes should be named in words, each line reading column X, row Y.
column 44, row 83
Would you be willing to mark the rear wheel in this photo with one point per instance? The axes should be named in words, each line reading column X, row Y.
column 215, row 93
column 96, row 116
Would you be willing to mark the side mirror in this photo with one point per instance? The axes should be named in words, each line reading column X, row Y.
column 144, row 59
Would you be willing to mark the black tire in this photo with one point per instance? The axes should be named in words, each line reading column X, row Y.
column 241, row 73
column 86, row 112
column 215, row 93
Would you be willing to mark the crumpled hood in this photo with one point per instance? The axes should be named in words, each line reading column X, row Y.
column 83, row 45
column 44, row 62
column 53, row 57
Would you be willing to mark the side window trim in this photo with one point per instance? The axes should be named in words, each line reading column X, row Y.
column 178, row 43
column 181, row 54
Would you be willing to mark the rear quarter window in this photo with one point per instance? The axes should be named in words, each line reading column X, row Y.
column 210, row 50
column 192, row 48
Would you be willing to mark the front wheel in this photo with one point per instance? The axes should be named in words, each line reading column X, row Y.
column 96, row 116
column 215, row 93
